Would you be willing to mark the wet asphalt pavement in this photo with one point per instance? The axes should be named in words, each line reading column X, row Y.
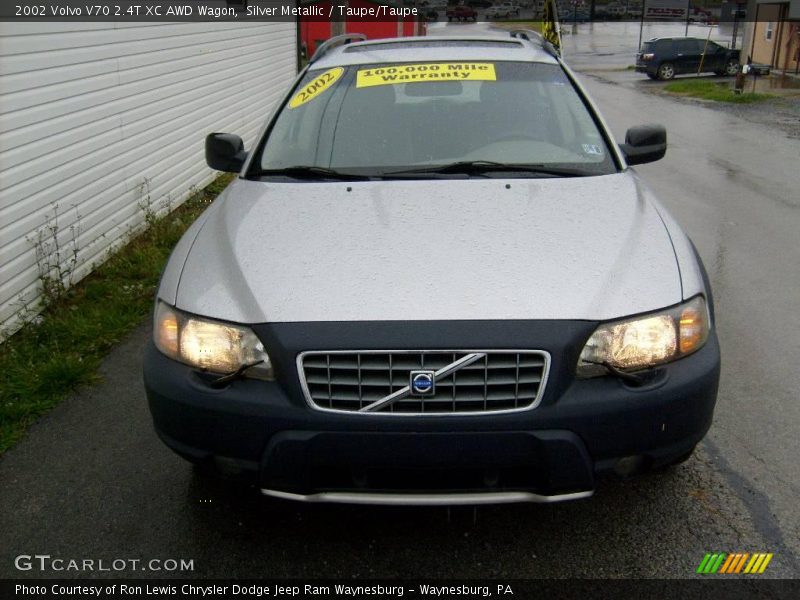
column 92, row 480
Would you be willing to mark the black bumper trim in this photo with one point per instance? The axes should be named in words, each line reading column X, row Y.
column 245, row 421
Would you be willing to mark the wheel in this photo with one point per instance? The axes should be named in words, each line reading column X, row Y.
column 731, row 68
column 666, row 71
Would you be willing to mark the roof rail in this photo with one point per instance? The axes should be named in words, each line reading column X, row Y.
column 536, row 38
column 335, row 42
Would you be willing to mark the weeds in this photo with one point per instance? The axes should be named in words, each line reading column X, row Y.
column 708, row 90
column 61, row 350
column 56, row 260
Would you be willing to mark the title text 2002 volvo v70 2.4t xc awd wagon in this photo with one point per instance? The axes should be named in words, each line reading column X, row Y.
column 435, row 280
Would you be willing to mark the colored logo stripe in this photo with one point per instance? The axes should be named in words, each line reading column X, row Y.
column 711, row 563
column 703, row 563
column 728, row 564
column 744, row 556
column 734, row 563
column 758, row 563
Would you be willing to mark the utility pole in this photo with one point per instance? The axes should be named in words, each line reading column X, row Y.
column 688, row 8
column 338, row 23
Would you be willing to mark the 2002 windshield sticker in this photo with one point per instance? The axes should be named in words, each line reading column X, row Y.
column 426, row 72
column 315, row 87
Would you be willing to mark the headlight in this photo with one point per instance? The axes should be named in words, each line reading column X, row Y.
column 210, row 345
column 647, row 341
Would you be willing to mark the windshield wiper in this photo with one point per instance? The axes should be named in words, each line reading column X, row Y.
column 479, row 167
column 309, row 172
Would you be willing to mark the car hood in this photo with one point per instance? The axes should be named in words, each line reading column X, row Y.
column 556, row 248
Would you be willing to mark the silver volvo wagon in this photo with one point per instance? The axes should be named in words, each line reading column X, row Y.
column 436, row 280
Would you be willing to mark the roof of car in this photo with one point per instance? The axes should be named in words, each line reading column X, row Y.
column 435, row 48
column 673, row 39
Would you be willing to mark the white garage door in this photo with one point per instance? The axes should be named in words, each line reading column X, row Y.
column 95, row 118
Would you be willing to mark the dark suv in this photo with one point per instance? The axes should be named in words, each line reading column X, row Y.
column 663, row 58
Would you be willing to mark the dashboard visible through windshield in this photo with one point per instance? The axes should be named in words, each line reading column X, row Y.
column 469, row 118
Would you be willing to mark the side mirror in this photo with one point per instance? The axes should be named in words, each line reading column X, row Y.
column 225, row 152
column 644, row 144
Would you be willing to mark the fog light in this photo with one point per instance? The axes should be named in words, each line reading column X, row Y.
column 228, row 466
column 629, row 465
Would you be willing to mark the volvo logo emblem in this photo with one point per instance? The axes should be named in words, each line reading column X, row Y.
column 422, row 383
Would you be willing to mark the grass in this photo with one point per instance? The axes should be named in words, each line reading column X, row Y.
column 708, row 90
column 50, row 358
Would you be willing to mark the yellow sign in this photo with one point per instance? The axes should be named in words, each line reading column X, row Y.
column 426, row 72
column 315, row 87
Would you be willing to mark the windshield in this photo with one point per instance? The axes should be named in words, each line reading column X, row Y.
column 379, row 120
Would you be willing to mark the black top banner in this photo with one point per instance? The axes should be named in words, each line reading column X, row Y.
column 333, row 10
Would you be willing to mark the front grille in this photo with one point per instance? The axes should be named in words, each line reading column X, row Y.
column 499, row 380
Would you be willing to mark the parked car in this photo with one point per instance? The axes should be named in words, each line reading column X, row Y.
column 757, row 69
column 573, row 11
column 663, row 58
column 461, row 12
column 616, row 11
column 634, row 11
column 434, row 11
column 435, row 280
column 504, row 10
column 579, row 16
column 698, row 15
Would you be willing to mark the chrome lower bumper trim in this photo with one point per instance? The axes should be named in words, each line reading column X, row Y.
column 426, row 499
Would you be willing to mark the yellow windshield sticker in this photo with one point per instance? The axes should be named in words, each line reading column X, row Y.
column 427, row 72
column 315, row 87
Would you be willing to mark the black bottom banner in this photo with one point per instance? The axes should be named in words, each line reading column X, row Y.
column 46, row 589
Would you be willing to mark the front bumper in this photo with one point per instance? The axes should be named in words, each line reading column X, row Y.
column 582, row 428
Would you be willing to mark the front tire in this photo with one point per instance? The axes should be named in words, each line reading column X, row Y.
column 666, row 71
column 731, row 68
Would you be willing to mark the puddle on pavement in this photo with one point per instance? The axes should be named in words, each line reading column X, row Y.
column 774, row 83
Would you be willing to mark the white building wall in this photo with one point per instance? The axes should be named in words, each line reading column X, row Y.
column 95, row 117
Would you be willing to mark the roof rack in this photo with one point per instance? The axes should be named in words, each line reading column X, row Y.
column 335, row 42
column 536, row 38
